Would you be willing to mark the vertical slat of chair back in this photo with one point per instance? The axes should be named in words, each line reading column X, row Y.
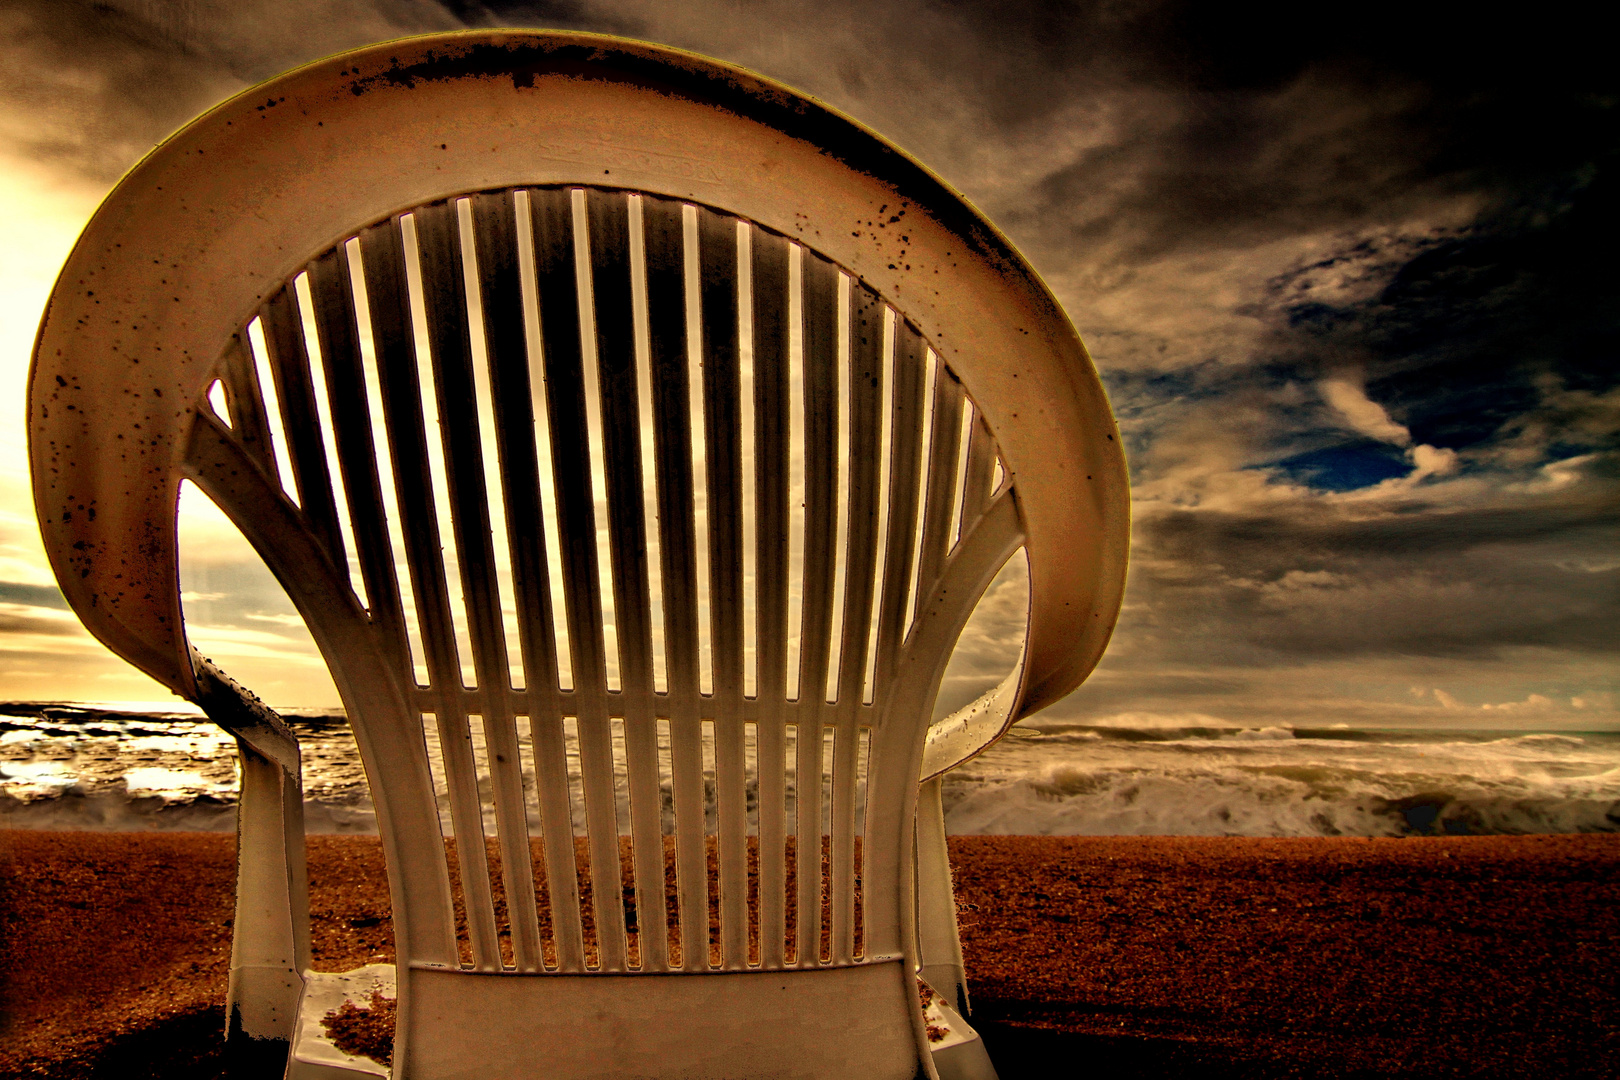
column 718, row 333
column 669, row 397
column 773, row 424
column 981, row 463
column 245, row 402
column 284, row 340
column 905, row 480
column 335, row 322
column 663, row 228
column 819, row 302
column 865, row 342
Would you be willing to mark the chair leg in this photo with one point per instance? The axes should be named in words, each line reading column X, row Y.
column 270, row 935
column 269, row 943
column 939, row 944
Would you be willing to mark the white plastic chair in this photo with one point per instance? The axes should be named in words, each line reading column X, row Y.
column 514, row 329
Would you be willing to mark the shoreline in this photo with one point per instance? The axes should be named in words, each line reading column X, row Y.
column 1145, row 956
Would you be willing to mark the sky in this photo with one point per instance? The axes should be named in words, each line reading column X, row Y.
column 1347, row 274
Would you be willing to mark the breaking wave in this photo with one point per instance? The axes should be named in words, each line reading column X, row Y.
column 1278, row 781
column 75, row 766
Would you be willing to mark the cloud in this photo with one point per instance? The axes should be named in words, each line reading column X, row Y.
column 23, row 620
column 1361, row 413
column 1431, row 461
column 42, row 596
column 1533, row 705
column 1301, row 578
column 88, row 89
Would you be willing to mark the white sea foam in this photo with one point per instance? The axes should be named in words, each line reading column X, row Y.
column 36, row 779
column 1274, row 781
column 171, row 785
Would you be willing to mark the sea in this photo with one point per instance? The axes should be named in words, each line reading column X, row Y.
column 133, row 767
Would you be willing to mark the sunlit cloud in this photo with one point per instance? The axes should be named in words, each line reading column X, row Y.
column 1362, row 413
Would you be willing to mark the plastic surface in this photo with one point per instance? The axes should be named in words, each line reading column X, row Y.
column 586, row 268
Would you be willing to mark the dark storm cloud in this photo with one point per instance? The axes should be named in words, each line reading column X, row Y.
column 1280, row 117
column 1466, row 582
column 1469, row 331
column 22, row 621
column 1501, row 332
column 1206, row 128
column 1495, row 339
column 1455, row 218
column 49, row 596
column 90, row 90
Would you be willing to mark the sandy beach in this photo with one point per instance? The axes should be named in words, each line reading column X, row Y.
column 1429, row 957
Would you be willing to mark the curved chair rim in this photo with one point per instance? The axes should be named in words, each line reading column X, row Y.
column 217, row 217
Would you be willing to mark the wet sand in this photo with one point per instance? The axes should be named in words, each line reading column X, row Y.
column 1432, row 957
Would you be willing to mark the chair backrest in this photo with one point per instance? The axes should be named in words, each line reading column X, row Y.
column 603, row 411
column 598, row 461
